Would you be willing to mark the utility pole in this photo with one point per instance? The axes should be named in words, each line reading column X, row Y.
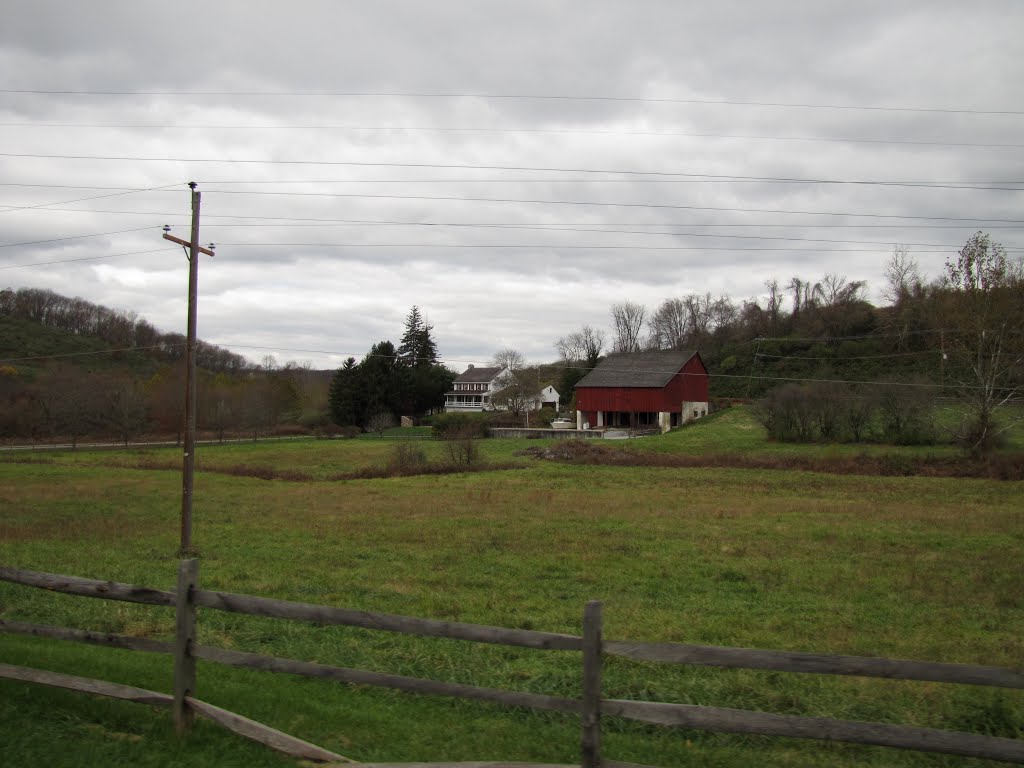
column 753, row 364
column 942, row 359
column 189, row 459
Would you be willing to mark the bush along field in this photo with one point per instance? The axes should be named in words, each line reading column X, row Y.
column 883, row 564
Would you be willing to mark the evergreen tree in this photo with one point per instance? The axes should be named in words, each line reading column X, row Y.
column 344, row 399
column 383, row 382
column 417, row 349
column 426, row 379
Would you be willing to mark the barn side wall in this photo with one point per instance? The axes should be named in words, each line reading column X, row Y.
column 689, row 385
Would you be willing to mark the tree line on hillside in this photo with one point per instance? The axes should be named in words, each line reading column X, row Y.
column 69, row 403
column 125, row 379
column 826, row 328
column 78, row 369
column 122, row 330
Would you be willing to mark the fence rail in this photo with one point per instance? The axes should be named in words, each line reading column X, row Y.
column 322, row 614
column 816, row 663
column 591, row 707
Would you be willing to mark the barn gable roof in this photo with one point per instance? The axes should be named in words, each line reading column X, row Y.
column 637, row 369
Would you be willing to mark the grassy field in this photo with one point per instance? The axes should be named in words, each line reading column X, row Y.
column 926, row 568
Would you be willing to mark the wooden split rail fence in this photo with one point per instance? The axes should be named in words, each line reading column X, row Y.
column 591, row 707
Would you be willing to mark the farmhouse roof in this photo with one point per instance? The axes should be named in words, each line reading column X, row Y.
column 478, row 375
column 637, row 369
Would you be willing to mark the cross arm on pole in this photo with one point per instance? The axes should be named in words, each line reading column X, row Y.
column 187, row 244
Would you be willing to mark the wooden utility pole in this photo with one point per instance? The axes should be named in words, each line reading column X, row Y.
column 942, row 358
column 590, row 705
column 184, row 644
column 189, row 459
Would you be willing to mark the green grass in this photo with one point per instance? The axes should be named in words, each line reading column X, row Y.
column 736, row 431
column 924, row 568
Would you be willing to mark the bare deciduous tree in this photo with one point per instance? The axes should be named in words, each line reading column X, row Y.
column 902, row 276
column 835, row 290
column 517, row 390
column 582, row 346
column 627, row 323
column 508, row 358
column 668, row 327
column 698, row 318
column 774, row 303
column 379, row 422
column 985, row 298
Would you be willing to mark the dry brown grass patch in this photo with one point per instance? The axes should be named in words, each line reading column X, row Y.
column 1002, row 467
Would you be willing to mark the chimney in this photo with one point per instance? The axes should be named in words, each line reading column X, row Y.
column 471, row 366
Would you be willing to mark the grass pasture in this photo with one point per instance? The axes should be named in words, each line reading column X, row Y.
column 905, row 567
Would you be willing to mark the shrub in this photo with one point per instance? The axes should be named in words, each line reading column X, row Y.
column 380, row 422
column 463, row 449
column 979, row 437
column 506, row 419
column 449, row 426
column 787, row 414
column 857, row 414
column 907, row 413
column 405, row 459
column 829, row 411
column 289, row 430
column 825, row 400
column 314, row 418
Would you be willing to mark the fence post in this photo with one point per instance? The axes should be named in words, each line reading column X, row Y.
column 184, row 639
column 590, row 709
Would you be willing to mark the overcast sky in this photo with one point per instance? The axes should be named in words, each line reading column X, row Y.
column 343, row 148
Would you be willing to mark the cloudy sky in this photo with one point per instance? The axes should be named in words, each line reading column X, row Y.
column 513, row 168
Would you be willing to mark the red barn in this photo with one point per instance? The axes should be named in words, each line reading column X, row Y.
column 663, row 389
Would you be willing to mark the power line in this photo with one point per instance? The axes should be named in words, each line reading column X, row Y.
column 74, row 237
column 684, row 179
column 663, row 206
column 846, row 359
column 463, row 166
column 484, row 129
column 540, row 228
column 9, row 208
column 681, row 179
column 672, row 233
column 85, row 258
column 659, row 176
column 808, row 380
column 68, row 186
column 446, row 361
column 319, row 221
column 91, row 353
column 558, row 247
column 544, row 228
column 511, row 96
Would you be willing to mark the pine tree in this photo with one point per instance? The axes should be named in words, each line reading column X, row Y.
column 417, row 349
column 344, row 399
column 383, row 380
column 426, row 379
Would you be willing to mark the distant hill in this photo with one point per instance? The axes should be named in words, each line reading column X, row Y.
column 40, row 326
column 71, row 370
column 28, row 347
